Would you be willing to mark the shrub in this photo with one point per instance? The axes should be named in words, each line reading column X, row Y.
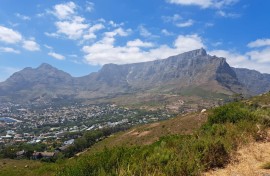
column 232, row 113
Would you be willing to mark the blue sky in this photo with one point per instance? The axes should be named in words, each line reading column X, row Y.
column 81, row 36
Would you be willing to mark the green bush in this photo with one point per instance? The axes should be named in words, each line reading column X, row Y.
column 232, row 113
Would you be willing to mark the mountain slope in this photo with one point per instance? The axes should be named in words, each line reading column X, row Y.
column 194, row 70
column 44, row 81
column 253, row 80
column 190, row 69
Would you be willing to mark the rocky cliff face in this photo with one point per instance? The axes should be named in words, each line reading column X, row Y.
column 254, row 81
column 191, row 69
column 194, row 68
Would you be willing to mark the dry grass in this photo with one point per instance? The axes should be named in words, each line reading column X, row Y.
column 149, row 133
column 248, row 162
column 9, row 167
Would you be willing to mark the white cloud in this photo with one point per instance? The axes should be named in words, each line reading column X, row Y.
column 8, row 35
column 48, row 47
column 204, row 3
column 91, row 31
column 51, row 34
column 166, row 32
column 139, row 43
column 9, row 50
column 173, row 18
column 73, row 29
column 201, row 3
column 89, row 6
column 23, row 17
column 105, row 51
column 186, row 23
column 227, row 15
column 189, row 42
column 31, row 45
column 233, row 58
column 56, row 55
column 223, row 3
column 113, row 24
column 65, row 10
column 255, row 60
column 259, row 43
column 260, row 56
column 144, row 32
column 69, row 24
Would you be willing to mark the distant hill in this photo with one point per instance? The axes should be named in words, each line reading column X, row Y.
column 190, row 73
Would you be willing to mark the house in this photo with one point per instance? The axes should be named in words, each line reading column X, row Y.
column 63, row 148
column 69, row 142
column 45, row 155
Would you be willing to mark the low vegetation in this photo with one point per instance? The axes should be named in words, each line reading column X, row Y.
column 212, row 146
column 266, row 166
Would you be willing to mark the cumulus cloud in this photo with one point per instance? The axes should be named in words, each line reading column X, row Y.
column 56, row 56
column 105, row 51
column 69, row 24
column 55, row 35
column 166, row 32
column 9, row 50
column 91, row 31
column 189, row 42
column 224, row 14
column 73, row 29
column 260, row 56
column 259, row 43
column 23, row 17
column 8, row 35
column 31, row 45
column 144, row 32
column 139, row 43
column 89, row 6
column 204, row 3
column 65, row 10
column 188, row 23
column 255, row 60
column 174, row 18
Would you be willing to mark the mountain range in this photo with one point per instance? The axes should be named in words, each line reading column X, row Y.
column 193, row 70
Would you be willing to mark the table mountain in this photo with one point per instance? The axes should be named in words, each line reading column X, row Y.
column 194, row 69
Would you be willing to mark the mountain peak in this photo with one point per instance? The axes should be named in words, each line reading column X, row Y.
column 45, row 66
column 198, row 52
column 194, row 53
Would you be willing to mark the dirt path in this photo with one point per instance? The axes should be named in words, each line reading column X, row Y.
column 249, row 162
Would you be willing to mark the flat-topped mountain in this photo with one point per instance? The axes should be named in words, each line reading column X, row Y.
column 190, row 69
column 194, row 69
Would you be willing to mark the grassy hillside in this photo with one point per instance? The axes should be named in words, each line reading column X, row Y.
column 211, row 146
column 186, row 145
column 150, row 133
column 9, row 167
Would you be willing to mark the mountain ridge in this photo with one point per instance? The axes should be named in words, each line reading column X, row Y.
column 194, row 69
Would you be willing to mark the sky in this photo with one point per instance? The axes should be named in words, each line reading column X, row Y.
column 80, row 36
